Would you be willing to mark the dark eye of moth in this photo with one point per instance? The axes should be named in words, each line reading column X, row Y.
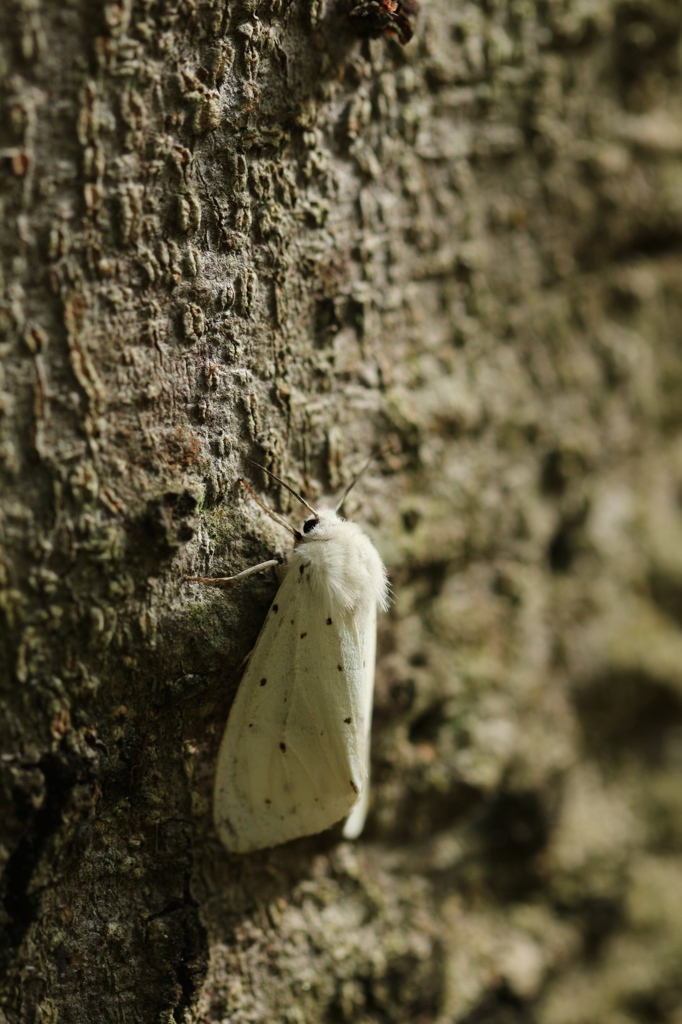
column 310, row 525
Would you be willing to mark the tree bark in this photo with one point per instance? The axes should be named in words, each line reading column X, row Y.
column 237, row 230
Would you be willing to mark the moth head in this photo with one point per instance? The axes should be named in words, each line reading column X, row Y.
column 322, row 526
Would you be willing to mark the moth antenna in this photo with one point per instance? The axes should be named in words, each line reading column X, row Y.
column 273, row 515
column 375, row 455
column 286, row 486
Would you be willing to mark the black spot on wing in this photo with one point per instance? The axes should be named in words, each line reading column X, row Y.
column 340, row 668
column 283, row 747
column 229, row 826
column 263, row 681
column 301, row 569
column 275, row 608
column 303, row 634
column 347, row 721
column 354, row 787
column 329, row 622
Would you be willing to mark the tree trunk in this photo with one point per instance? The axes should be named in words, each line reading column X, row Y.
column 238, row 230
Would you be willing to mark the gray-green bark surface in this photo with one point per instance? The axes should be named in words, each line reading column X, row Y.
column 235, row 230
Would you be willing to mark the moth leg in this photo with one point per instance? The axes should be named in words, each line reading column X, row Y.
column 219, row 581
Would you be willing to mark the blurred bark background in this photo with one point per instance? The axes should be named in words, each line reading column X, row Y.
column 234, row 229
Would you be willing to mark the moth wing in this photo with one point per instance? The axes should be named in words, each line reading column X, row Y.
column 355, row 822
column 292, row 760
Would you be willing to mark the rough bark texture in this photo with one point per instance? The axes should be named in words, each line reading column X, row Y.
column 233, row 229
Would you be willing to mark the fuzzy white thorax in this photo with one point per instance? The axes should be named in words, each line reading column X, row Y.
column 343, row 564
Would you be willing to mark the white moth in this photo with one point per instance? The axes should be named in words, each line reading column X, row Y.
column 294, row 758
